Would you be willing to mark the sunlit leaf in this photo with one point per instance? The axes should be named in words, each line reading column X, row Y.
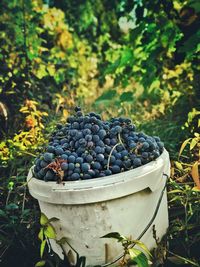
column 43, row 219
column 178, row 165
column 193, row 143
column 143, row 246
column 49, row 231
column 41, row 234
column 184, row 145
column 138, row 257
column 195, row 174
column 195, row 188
column 40, row 263
column 42, row 247
column 126, row 57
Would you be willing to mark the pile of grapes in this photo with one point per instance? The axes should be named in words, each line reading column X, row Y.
column 87, row 147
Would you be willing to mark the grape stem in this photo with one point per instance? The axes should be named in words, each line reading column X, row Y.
column 108, row 165
column 120, row 140
column 120, row 143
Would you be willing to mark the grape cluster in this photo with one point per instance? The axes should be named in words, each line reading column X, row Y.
column 87, row 147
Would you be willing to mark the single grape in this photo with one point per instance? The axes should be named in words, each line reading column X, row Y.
column 43, row 164
column 89, row 158
column 98, row 149
column 137, row 162
column 88, row 137
column 85, row 167
column 59, row 151
column 71, row 159
column 50, row 149
column 48, row 157
column 100, row 157
column 115, row 169
column 49, row 176
column 102, row 134
column 75, row 176
column 71, row 166
column 96, row 165
column 108, row 172
column 64, row 166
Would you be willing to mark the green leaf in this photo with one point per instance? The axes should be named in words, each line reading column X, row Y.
column 12, row 206
column 43, row 219
column 195, row 4
column 126, row 57
column 175, row 191
column 49, row 231
column 184, row 145
column 3, row 214
column 108, row 95
column 138, row 257
column 191, row 44
column 115, row 235
column 42, row 247
column 112, row 67
column 154, row 86
column 126, row 97
column 40, row 263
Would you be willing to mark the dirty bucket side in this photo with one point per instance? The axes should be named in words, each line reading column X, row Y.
column 83, row 225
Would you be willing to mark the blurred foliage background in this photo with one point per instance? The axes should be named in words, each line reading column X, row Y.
column 138, row 59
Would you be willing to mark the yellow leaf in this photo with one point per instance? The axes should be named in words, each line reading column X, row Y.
column 42, row 247
column 178, row 165
column 40, row 263
column 184, row 145
column 195, row 188
column 195, row 174
column 51, row 69
column 43, row 219
column 23, row 109
column 49, row 232
column 45, row 114
column 193, row 143
column 143, row 246
column 175, row 191
column 41, row 234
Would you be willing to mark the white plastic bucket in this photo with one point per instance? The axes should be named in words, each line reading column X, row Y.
column 89, row 209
